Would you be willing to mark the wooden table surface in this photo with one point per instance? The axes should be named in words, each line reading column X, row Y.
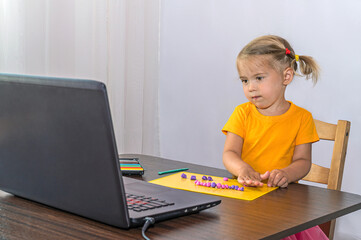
column 275, row 215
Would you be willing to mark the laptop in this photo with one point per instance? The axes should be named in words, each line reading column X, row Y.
column 57, row 147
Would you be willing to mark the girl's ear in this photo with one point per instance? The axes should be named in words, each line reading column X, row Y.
column 288, row 76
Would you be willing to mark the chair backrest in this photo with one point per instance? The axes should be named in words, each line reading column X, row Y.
column 332, row 176
column 338, row 133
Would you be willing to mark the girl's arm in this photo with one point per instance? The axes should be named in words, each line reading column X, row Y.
column 300, row 166
column 234, row 164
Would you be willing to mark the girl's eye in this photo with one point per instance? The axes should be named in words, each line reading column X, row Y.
column 244, row 81
column 259, row 78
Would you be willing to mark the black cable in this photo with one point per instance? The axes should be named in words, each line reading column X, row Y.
column 148, row 221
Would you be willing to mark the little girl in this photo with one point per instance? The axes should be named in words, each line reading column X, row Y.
column 268, row 139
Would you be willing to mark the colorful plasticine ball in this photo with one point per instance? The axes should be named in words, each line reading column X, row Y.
column 184, row 175
column 193, row 177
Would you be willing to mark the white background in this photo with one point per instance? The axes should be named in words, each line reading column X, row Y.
column 170, row 67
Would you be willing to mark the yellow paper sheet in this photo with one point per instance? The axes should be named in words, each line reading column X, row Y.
column 176, row 181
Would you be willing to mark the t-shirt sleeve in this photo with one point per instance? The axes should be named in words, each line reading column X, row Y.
column 235, row 123
column 307, row 132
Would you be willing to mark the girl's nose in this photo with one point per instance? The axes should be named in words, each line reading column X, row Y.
column 252, row 86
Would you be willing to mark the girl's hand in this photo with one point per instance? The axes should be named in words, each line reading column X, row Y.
column 278, row 178
column 249, row 177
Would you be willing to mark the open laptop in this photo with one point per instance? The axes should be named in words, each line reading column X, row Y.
column 57, row 147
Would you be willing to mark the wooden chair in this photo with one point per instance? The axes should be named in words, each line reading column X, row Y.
column 332, row 176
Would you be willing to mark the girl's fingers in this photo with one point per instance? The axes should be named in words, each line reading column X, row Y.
column 283, row 182
column 270, row 182
column 254, row 181
column 265, row 176
column 277, row 178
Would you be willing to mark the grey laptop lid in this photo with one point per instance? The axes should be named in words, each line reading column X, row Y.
column 44, row 123
column 57, row 147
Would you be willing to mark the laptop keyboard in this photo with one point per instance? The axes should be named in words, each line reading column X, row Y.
column 142, row 203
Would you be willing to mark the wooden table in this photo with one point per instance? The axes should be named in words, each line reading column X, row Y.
column 275, row 215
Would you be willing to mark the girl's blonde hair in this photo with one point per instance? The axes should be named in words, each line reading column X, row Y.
column 281, row 55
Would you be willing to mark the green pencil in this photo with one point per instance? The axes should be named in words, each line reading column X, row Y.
column 173, row 170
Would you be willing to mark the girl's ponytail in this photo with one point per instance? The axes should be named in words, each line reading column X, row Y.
column 308, row 66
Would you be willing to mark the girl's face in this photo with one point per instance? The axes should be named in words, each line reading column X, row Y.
column 263, row 85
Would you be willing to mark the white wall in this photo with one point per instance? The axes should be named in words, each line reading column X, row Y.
column 198, row 87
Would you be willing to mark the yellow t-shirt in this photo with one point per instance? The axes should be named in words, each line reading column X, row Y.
column 269, row 141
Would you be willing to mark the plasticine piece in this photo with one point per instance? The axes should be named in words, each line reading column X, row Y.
column 193, row 177
column 241, row 189
column 208, row 184
column 213, row 184
column 210, row 178
column 225, row 179
column 184, row 175
column 219, row 185
column 236, row 187
column 204, row 178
